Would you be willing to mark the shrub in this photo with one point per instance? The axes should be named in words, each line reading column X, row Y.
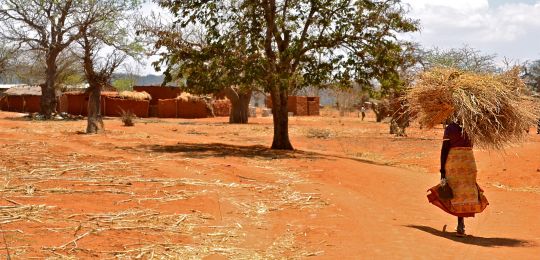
column 127, row 117
column 318, row 133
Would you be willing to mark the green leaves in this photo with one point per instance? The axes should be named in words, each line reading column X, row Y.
column 464, row 58
column 306, row 42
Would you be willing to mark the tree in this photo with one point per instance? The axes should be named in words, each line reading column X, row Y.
column 48, row 27
column 532, row 75
column 202, row 66
column 464, row 58
column 124, row 83
column 27, row 67
column 7, row 56
column 103, row 24
column 304, row 42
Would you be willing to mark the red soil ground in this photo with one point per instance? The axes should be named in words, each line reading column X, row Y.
column 193, row 189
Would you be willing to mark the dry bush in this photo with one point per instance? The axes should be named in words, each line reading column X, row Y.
column 127, row 117
column 318, row 133
column 381, row 109
column 492, row 108
column 400, row 114
column 346, row 99
column 135, row 95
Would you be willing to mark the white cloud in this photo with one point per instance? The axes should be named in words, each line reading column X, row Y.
column 507, row 28
column 455, row 4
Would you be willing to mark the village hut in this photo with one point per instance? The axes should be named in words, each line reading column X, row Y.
column 24, row 99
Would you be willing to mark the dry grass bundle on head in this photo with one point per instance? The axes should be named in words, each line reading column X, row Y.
column 493, row 109
column 135, row 95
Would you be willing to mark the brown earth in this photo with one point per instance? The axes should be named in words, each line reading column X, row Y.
column 193, row 189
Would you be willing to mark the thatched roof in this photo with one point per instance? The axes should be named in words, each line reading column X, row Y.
column 23, row 91
column 8, row 86
column 82, row 92
column 134, row 95
column 187, row 97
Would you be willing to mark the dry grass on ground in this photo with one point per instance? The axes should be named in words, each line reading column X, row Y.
column 194, row 188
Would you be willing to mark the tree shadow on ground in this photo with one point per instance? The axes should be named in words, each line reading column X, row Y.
column 17, row 118
column 205, row 150
column 474, row 240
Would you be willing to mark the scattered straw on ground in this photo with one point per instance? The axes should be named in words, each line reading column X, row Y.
column 32, row 172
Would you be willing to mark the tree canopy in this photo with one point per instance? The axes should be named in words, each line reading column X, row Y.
column 48, row 28
column 7, row 56
column 532, row 75
column 297, row 43
column 464, row 58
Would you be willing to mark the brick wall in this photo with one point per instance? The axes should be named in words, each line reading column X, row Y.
column 29, row 104
column 167, row 108
column 177, row 108
column 299, row 105
column 32, row 104
column 75, row 104
column 192, row 109
column 313, row 106
column 114, row 106
column 222, row 107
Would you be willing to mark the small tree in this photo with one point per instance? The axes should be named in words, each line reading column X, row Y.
column 532, row 75
column 48, row 27
column 123, row 83
column 465, row 58
column 103, row 25
column 381, row 109
column 28, row 66
column 8, row 55
column 202, row 66
column 400, row 113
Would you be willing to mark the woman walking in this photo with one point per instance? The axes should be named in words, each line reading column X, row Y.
column 458, row 171
column 485, row 110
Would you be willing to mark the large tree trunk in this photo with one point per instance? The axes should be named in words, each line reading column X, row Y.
column 281, row 119
column 95, row 120
column 278, row 74
column 239, row 105
column 381, row 111
column 48, row 90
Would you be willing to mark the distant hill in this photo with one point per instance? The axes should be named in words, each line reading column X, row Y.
column 140, row 80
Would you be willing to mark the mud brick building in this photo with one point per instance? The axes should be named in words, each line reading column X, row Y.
column 24, row 99
column 158, row 93
column 300, row 105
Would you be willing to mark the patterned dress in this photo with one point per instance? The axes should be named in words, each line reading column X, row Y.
column 461, row 177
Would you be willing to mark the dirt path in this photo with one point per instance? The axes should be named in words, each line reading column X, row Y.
column 203, row 188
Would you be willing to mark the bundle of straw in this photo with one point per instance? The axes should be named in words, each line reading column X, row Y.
column 135, row 95
column 186, row 97
column 492, row 109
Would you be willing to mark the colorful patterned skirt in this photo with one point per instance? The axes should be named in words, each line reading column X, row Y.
column 461, row 176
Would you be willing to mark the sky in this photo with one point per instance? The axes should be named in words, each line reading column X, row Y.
column 507, row 28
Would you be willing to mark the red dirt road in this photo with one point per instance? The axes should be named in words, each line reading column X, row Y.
column 195, row 189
